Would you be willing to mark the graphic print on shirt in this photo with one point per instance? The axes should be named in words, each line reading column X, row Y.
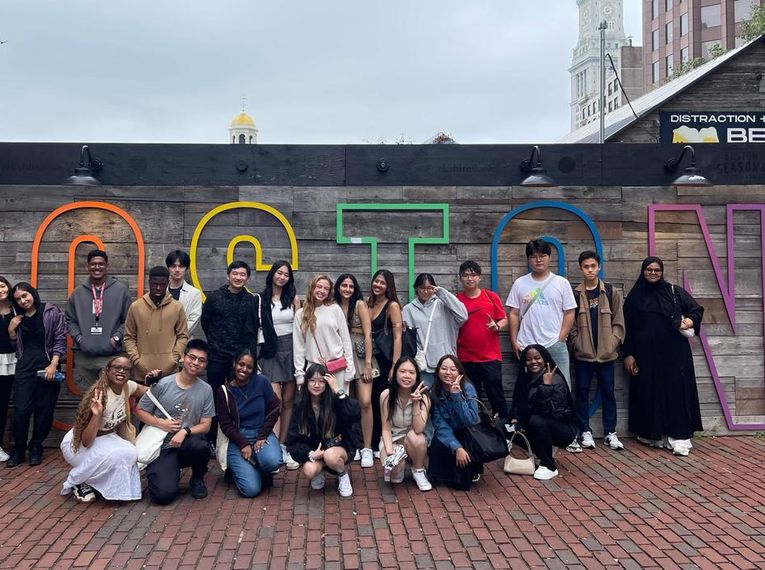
column 537, row 295
column 114, row 416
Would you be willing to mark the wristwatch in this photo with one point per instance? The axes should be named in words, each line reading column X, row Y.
column 116, row 338
column 187, row 430
column 341, row 394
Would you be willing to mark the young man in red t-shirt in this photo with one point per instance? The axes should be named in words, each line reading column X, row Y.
column 478, row 340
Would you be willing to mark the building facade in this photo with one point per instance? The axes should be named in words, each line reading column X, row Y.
column 585, row 63
column 679, row 31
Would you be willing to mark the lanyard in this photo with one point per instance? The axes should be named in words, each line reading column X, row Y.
column 98, row 300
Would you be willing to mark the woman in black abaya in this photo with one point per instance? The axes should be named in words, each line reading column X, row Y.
column 664, row 401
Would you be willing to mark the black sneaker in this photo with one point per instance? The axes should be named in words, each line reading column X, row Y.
column 35, row 457
column 198, row 488
column 84, row 493
column 14, row 460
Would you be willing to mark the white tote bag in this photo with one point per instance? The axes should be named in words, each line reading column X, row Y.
column 149, row 442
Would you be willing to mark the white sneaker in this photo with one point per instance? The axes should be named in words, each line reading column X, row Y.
column 344, row 485
column 544, row 474
column 3, row 455
column 377, row 454
column 574, row 447
column 289, row 463
column 357, row 457
column 613, row 442
column 651, row 442
column 317, row 483
column 587, row 441
column 679, row 446
column 367, row 457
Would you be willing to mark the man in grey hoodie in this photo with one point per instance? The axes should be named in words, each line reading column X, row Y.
column 95, row 315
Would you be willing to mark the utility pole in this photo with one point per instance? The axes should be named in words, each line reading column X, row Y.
column 602, row 100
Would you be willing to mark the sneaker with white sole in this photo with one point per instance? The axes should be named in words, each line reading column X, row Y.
column 544, row 474
column 587, row 441
column 421, row 479
column 317, row 483
column 357, row 457
column 84, row 493
column 574, row 447
column 377, row 454
column 613, row 442
column 3, row 456
column 344, row 485
column 289, row 463
column 650, row 442
column 367, row 458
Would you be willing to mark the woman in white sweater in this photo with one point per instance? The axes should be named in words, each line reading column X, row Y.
column 320, row 334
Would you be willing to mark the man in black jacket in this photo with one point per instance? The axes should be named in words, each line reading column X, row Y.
column 230, row 323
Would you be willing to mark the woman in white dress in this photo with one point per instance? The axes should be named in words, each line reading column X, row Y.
column 100, row 447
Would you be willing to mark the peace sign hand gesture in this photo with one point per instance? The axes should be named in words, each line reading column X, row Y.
column 96, row 407
column 547, row 377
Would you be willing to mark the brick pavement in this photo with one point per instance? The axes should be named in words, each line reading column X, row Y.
column 642, row 508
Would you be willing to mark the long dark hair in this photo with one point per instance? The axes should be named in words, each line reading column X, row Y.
column 390, row 290
column 288, row 291
column 24, row 286
column 326, row 419
column 393, row 387
column 10, row 289
column 438, row 390
column 357, row 295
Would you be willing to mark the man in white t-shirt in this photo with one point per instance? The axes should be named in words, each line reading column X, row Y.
column 542, row 307
column 542, row 311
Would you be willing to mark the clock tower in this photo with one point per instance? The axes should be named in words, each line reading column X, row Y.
column 585, row 61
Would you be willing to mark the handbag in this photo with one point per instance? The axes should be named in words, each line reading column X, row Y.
column 420, row 358
column 483, row 441
column 687, row 333
column 333, row 366
column 516, row 466
column 221, row 442
column 148, row 444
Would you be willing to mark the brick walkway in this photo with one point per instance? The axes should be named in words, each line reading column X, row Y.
column 639, row 509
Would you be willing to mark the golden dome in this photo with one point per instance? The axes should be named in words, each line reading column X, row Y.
column 242, row 120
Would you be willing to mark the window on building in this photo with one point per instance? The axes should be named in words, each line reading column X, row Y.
column 707, row 46
column 684, row 24
column 669, row 61
column 655, row 72
column 668, row 33
column 710, row 16
column 654, row 9
column 667, row 5
column 610, row 89
column 684, row 55
column 616, row 104
column 610, row 106
column 742, row 10
column 242, row 139
column 655, row 40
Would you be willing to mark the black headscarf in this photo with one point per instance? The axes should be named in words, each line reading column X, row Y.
column 652, row 297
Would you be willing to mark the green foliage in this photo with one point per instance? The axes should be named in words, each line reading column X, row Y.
column 756, row 26
column 686, row 67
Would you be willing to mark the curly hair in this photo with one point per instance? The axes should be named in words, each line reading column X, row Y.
column 308, row 320
column 82, row 418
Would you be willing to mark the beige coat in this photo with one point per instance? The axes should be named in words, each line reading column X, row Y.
column 155, row 336
column 610, row 327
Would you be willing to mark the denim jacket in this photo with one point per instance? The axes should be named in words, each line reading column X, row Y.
column 452, row 412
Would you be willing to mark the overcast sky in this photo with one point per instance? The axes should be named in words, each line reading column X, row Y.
column 332, row 71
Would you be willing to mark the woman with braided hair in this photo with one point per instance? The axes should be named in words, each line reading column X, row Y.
column 100, row 447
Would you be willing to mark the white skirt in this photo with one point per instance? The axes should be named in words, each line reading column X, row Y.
column 109, row 465
column 7, row 364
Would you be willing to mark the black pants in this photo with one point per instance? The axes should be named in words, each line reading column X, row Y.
column 379, row 385
column 32, row 395
column 217, row 371
column 544, row 433
column 6, row 385
column 164, row 473
column 488, row 376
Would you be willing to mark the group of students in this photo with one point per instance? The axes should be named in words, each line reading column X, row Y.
column 339, row 377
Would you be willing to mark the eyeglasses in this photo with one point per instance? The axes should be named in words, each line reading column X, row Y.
column 121, row 368
column 317, row 380
column 194, row 358
column 649, row 270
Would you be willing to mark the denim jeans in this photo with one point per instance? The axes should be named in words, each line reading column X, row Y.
column 248, row 478
column 559, row 353
column 605, row 373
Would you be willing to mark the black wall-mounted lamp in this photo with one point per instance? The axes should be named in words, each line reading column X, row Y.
column 691, row 176
column 537, row 176
column 83, row 174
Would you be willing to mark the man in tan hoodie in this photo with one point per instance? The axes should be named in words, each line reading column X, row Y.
column 155, row 329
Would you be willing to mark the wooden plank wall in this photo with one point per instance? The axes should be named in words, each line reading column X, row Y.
column 168, row 216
